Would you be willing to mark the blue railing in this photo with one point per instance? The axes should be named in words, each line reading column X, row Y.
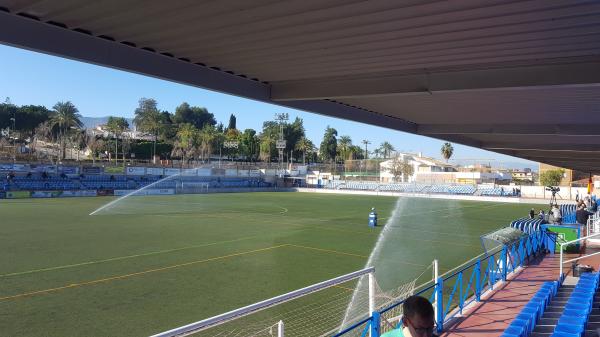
column 466, row 283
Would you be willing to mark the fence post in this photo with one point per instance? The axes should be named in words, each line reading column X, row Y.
column 371, row 293
column 375, row 323
column 439, row 289
column 492, row 269
column 478, row 280
column 460, row 291
column 503, row 259
column 435, row 277
column 560, row 275
column 280, row 328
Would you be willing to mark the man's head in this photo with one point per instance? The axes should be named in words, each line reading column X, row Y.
column 418, row 316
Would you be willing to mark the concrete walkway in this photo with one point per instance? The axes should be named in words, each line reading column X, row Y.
column 493, row 314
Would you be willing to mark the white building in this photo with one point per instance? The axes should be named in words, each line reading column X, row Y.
column 425, row 169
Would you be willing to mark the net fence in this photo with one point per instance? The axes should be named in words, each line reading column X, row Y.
column 321, row 313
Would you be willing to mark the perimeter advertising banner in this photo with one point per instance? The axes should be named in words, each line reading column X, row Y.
column 172, row 171
column 2, row 195
column 204, row 172
column 189, row 172
column 43, row 168
column 82, row 193
column 68, row 169
column 92, row 170
column 136, row 171
column 46, row 194
column 114, row 169
column 120, row 193
column 150, row 191
column 15, row 167
column 18, row 194
column 155, row 171
column 105, row 192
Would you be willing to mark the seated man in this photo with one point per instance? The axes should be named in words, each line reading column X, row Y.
column 417, row 319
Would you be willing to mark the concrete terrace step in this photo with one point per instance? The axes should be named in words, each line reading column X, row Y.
column 587, row 333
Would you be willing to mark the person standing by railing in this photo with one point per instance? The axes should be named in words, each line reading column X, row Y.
column 582, row 215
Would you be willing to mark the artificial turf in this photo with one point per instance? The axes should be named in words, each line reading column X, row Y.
column 153, row 263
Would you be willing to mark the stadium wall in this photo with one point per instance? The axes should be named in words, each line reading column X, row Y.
column 414, row 195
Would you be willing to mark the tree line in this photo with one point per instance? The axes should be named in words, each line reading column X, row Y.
column 190, row 133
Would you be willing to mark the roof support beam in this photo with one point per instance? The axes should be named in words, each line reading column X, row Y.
column 569, row 72
column 22, row 32
column 517, row 147
column 510, row 129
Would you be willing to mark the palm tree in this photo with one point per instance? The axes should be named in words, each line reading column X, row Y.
column 344, row 144
column 187, row 140
column 266, row 143
column 207, row 137
column 304, row 145
column 148, row 119
column 377, row 153
column 65, row 117
column 117, row 125
column 386, row 148
column 94, row 144
column 77, row 140
column 447, row 151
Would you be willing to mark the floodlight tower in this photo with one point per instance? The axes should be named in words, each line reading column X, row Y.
column 281, row 118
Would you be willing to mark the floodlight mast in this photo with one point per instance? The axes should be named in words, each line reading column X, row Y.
column 281, row 118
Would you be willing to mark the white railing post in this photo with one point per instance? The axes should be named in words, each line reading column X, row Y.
column 194, row 327
column 561, row 244
column 371, row 297
column 280, row 328
column 560, row 274
column 371, row 293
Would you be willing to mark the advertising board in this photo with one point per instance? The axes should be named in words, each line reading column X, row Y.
column 18, row 194
column 204, row 172
column 105, row 192
column 68, row 169
column 155, row 171
column 92, row 170
column 138, row 171
column 45, row 194
column 172, row 171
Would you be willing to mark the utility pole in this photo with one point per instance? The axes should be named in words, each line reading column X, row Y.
column 13, row 119
column 281, row 118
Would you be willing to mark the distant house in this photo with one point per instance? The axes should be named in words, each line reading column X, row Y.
column 425, row 169
column 524, row 176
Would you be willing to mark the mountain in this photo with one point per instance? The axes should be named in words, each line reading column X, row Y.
column 92, row 122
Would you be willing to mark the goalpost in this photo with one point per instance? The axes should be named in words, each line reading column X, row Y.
column 318, row 310
column 275, row 328
column 191, row 187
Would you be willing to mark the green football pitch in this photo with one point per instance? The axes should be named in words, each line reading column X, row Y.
column 154, row 263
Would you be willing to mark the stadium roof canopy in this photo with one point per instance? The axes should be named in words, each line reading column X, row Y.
column 515, row 77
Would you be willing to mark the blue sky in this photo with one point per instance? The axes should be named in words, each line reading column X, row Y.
column 33, row 78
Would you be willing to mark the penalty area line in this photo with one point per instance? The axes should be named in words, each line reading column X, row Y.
column 330, row 251
column 118, row 258
column 120, row 277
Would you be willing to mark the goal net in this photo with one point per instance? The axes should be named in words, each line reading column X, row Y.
column 321, row 312
column 191, row 187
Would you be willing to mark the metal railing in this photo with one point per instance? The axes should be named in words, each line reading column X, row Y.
column 561, row 274
column 192, row 328
column 471, row 281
